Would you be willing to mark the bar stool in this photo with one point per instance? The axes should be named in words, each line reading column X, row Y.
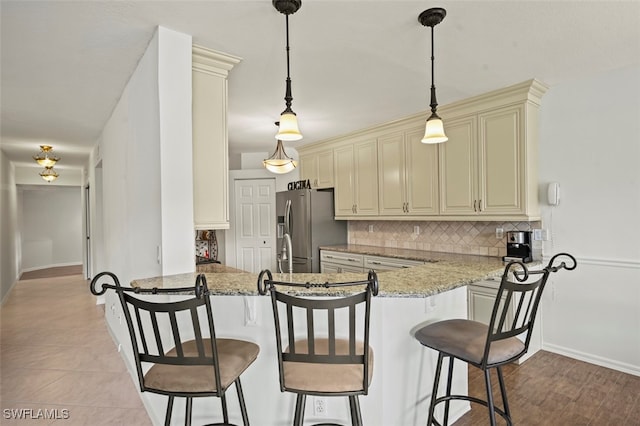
column 322, row 343
column 490, row 346
column 176, row 344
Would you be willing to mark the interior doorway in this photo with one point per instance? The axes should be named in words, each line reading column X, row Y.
column 255, row 224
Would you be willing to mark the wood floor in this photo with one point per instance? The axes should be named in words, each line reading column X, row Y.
column 553, row 390
column 58, row 271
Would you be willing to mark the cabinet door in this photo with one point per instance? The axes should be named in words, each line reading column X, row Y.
column 329, row 268
column 210, row 157
column 501, row 171
column 391, row 175
column 325, row 169
column 345, row 181
column 458, row 168
column 366, row 178
column 309, row 169
column 421, row 185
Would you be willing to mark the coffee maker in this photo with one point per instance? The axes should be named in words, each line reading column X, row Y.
column 519, row 247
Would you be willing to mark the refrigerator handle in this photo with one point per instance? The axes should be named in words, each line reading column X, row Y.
column 287, row 217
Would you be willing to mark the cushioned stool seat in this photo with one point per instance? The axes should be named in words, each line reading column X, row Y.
column 315, row 377
column 234, row 356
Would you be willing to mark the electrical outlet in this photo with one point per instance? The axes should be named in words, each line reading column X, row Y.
column 537, row 235
column 499, row 233
column 416, row 230
column 370, row 228
column 319, row 406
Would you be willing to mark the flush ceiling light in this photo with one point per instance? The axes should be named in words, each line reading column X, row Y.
column 280, row 162
column 434, row 131
column 288, row 128
column 49, row 174
column 46, row 158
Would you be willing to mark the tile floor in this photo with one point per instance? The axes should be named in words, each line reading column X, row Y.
column 57, row 355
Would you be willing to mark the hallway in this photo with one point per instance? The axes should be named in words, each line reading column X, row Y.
column 57, row 355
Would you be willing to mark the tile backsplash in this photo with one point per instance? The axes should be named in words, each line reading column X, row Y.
column 452, row 237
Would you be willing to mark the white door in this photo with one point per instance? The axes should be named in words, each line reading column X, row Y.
column 255, row 224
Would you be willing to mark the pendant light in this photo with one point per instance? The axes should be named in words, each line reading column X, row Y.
column 49, row 174
column 434, row 129
column 46, row 157
column 288, row 128
column 280, row 162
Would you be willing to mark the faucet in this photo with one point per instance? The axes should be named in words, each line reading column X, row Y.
column 286, row 253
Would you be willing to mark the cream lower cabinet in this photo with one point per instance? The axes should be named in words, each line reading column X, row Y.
column 335, row 261
column 407, row 175
column 210, row 143
column 356, row 179
column 379, row 263
column 317, row 168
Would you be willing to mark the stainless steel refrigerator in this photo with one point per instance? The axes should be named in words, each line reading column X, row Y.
column 307, row 216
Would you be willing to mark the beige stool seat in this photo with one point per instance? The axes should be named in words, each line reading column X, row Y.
column 330, row 378
column 234, row 356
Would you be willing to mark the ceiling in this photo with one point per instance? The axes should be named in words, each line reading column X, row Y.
column 354, row 64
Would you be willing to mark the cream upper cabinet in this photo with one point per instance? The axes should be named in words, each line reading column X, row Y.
column 484, row 166
column 502, row 168
column 318, row 169
column 356, row 179
column 210, row 144
column 488, row 167
column 407, row 175
column 487, row 170
column 459, row 168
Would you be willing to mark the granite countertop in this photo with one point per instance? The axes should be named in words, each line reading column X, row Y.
column 216, row 268
column 443, row 272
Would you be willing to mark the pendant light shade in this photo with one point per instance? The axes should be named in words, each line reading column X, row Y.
column 49, row 174
column 434, row 129
column 288, row 129
column 46, row 157
column 279, row 162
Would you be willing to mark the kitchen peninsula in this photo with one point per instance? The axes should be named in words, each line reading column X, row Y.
column 403, row 369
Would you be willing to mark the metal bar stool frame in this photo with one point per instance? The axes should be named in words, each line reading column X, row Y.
column 182, row 354
column 438, row 336
column 308, row 353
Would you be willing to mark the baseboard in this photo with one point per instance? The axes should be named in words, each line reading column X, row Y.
column 6, row 295
column 53, row 265
column 593, row 359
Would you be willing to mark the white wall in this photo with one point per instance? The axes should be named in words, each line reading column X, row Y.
column 141, row 172
column 50, row 226
column 590, row 144
column 10, row 262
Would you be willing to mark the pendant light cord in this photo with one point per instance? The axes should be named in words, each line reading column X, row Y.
column 287, row 97
column 434, row 103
